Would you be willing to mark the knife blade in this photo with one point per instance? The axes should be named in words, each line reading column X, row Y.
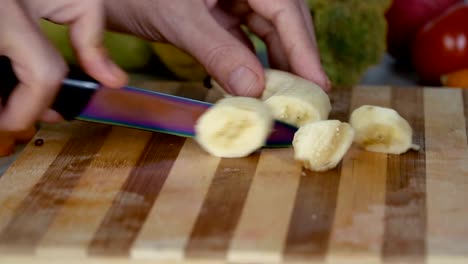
column 131, row 107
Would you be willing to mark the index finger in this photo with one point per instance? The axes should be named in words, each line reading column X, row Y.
column 297, row 38
column 36, row 64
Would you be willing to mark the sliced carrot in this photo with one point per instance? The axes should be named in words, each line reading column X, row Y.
column 25, row 136
column 457, row 79
column 7, row 144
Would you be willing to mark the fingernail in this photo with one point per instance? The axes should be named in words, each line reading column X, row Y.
column 243, row 81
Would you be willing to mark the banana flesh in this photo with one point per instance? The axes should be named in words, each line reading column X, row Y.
column 275, row 80
column 300, row 104
column 381, row 129
column 234, row 127
column 321, row 145
column 292, row 99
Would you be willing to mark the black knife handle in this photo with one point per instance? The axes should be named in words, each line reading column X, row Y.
column 70, row 101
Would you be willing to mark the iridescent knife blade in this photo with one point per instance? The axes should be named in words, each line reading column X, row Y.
column 133, row 107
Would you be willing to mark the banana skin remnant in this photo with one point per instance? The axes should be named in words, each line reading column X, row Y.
column 381, row 129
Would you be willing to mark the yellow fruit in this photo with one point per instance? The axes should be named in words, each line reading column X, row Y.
column 179, row 62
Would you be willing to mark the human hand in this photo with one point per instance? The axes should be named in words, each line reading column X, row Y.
column 210, row 31
column 38, row 66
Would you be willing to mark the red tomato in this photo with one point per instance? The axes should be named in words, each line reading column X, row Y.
column 441, row 46
column 405, row 18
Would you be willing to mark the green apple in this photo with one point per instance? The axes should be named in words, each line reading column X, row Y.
column 127, row 51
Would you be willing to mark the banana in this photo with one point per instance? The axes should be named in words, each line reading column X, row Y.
column 300, row 104
column 381, row 129
column 275, row 80
column 292, row 99
column 321, row 145
column 234, row 127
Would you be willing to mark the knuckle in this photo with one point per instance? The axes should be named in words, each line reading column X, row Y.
column 219, row 55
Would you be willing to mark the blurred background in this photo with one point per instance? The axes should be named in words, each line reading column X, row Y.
column 374, row 42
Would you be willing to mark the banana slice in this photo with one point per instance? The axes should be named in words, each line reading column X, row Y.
column 381, row 129
column 234, row 127
column 321, row 145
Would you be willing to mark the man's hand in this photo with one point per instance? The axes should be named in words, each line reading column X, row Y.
column 38, row 66
column 210, row 31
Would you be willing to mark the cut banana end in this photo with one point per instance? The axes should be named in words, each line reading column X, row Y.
column 234, row 127
column 380, row 129
column 321, row 145
column 300, row 104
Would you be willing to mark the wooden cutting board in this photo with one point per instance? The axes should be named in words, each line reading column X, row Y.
column 100, row 194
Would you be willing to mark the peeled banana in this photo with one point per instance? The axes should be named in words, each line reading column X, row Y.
column 292, row 99
column 321, row 145
column 275, row 80
column 234, row 127
column 300, row 104
column 381, row 129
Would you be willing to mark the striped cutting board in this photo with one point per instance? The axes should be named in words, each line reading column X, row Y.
column 102, row 194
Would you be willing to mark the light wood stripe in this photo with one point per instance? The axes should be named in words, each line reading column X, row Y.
column 405, row 212
column 359, row 219
column 315, row 203
column 222, row 208
column 447, row 172
column 133, row 203
column 170, row 222
column 264, row 222
column 25, row 172
column 94, row 193
column 37, row 211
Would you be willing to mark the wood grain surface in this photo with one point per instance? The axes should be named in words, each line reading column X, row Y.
column 102, row 194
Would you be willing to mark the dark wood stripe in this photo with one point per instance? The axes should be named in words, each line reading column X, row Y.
column 131, row 206
column 405, row 212
column 222, row 208
column 313, row 215
column 341, row 100
column 315, row 204
column 465, row 106
column 37, row 211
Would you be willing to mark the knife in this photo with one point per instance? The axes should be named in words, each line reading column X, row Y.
column 131, row 107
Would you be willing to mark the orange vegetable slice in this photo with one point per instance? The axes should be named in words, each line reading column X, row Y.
column 457, row 79
column 7, row 144
column 25, row 136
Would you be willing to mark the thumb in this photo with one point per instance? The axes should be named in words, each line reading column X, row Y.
column 227, row 60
